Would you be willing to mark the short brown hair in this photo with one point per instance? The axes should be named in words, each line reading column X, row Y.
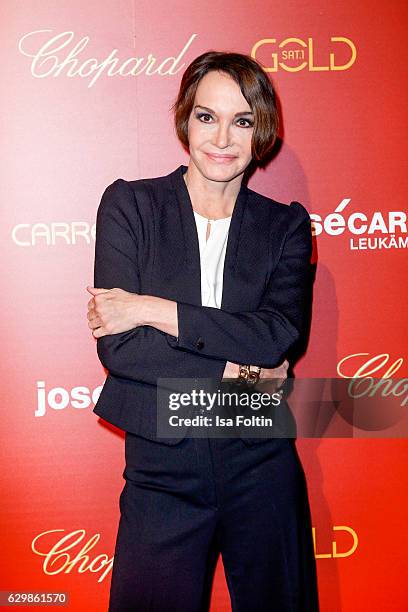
column 255, row 86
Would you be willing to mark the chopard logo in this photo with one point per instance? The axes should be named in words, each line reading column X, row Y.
column 60, row 55
column 371, row 376
column 66, row 555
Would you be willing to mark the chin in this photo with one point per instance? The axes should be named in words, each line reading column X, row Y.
column 219, row 171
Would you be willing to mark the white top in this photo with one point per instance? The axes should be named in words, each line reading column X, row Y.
column 212, row 256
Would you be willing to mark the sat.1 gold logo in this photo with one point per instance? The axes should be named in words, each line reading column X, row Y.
column 295, row 54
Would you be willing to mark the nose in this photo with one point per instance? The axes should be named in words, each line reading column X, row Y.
column 222, row 136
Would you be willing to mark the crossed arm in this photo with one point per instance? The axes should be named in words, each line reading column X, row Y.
column 146, row 337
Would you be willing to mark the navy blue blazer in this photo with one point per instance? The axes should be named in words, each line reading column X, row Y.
column 147, row 243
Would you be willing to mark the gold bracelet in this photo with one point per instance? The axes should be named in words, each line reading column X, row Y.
column 249, row 374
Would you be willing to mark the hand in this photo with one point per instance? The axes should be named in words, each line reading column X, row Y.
column 279, row 374
column 231, row 370
column 112, row 311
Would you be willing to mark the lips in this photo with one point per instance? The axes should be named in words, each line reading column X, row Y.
column 221, row 158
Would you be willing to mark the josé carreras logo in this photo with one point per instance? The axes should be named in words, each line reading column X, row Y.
column 366, row 231
column 294, row 54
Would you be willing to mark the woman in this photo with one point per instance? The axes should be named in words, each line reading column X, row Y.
column 196, row 276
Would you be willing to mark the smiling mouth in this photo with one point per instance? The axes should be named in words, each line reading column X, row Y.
column 221, row 158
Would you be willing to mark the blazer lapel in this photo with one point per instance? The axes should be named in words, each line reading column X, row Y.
column 192, row 249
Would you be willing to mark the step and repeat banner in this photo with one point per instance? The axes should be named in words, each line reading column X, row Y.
column 86, row 94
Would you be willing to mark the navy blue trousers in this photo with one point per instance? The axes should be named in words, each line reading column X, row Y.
column 183, row 505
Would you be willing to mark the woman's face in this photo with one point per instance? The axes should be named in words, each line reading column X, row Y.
column 220, row 128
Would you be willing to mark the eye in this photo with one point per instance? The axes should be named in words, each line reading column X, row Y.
column 200, row 116
column 249, row 122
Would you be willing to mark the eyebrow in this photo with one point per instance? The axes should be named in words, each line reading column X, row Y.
column 211, row 111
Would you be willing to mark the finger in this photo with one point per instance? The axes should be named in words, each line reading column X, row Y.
column 94, row 324
column 99, row 332
column 93, row 312
column 95, row 321
column 96, row 290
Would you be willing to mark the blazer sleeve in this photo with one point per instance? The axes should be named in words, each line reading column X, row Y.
column 263, row 337
column 142, row 353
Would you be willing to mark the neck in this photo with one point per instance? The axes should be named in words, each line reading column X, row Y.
column 211, row 199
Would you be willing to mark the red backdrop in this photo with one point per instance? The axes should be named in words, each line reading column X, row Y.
column 79, row 113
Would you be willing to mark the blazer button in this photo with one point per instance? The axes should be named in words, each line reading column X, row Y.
column 200, row 344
